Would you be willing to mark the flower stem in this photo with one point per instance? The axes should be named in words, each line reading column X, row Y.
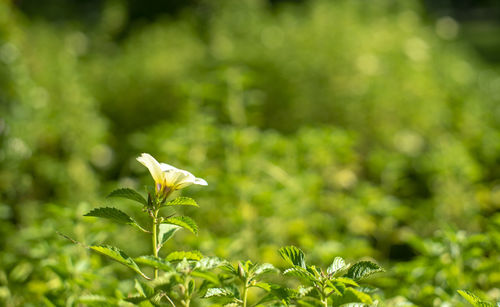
column 324, row 297
column 155, row 238
column 245, row 294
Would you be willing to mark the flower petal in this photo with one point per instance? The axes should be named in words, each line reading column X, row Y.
column 166, row 167
column 153, row 166
column 200, row 181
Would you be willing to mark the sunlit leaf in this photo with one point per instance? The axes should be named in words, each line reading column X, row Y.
column 182, row 201
column 293, row 255
column 181, row 255
column 264, row 268
column 136, row 299
column 165, row 232
column 351, row 295
column 363, row 269
column 97, row 300
column 144, row 289
column 208, row 263
column 154, row 262
column 473, row 299
column 115, row 215
column 184, row 222
column 218, row 292
column 129, row 194
column 337, row 265
column 299, row 272
column 309, row 301
column 119, row 256
column 347, row 281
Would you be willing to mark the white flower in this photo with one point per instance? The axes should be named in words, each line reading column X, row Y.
column 168, row 178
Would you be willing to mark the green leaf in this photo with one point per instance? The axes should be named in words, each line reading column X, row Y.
column 115, row 215
column 309, row 301
column 293, row 255
column 299, row 272
column 264, row 268
column 337, row 265
column 208, row 276
column 119, row 256
column 473, row 299
column 182, row 201
column 351, row 295
column 262, row 285
column 129, row 194
column 183, row 221
column 144, row 289
column 208, row 263
column 331, row 288
column 166, row 231
column 284, row 294
column 154, row 262
column 347, row 281
column 136, row 299
column 218, row 292
column 303, row 291
column 181, row 255
column 229, row 268
column 363, row 269
column 97, row 300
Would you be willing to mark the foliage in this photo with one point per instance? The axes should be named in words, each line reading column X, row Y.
column 338, row 286
column 345, row 128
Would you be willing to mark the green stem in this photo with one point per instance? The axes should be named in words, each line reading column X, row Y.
column 155, row 238
column 245, row 294
column 324, row 297
column 187, row 293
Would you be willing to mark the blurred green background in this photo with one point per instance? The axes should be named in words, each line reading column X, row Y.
column 349, row 128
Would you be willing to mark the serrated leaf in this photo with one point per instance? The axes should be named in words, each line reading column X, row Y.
column 264, row 268
column 112, row 214
column 337, row 265
column 115, row 215
column 473, row 299
column 293, row 255
column 332, row 288
column 144, row 289
column 363, row 269
column 229, row 268
column 181, row 255
column 299, row 272
column 309, row 301
column 184, row 222
column 347, row 281
column 208, row 276
column 218, row 292
column 182, row 201
column 208, row 263
column 351, row 295
column 262, row 285
column 154, row 262
column 284, row 294
column 165, row 232
column 156, row 299
column 119, row 256
column 129, row 194
column 136, row 299
column 303, row 291
column 97, row 300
